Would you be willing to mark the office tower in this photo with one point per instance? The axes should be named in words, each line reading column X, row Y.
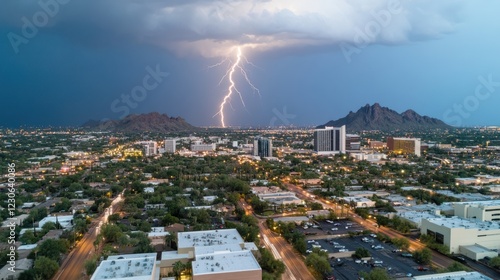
column 262, row 147
column 330, row 140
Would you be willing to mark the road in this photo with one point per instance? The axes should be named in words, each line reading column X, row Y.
column 73, row 265
column 282, row 250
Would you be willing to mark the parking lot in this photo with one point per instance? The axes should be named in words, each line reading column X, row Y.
column 331, row 228
column 383, row 256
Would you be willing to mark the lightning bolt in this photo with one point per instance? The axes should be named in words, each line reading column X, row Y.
column 232, row 89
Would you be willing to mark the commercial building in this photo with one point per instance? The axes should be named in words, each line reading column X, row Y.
column 170, row 145
column 215, row 254
column 456, row 232
column 371, row 157
column 124, row 267
column 457, row 275
column 200, row 147
column 352, row 142
column 359, row 202
column 262, row 147
column 488, row 210
column 150, row 148
column 402, row 145
column 330, row 140
column 281, row 198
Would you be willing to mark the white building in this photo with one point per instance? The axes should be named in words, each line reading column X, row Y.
column 200, row 147
column 359, row 202
column 281, row 198
column 125, row 267
column 170, row 145
column 457, row 275
column 371, row 157
column 488, row 210
column 150, row 148
column 457, row 232
column 215, row 254
column 330, row 140
column 65, row 221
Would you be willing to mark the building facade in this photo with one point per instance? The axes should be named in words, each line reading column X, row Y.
column 262, row 147
column 170, row 145
column 404, row 145
column 330, row 140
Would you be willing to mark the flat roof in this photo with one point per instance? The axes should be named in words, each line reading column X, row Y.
column 458, row 275
column 204, row 250
column 134, row 266
column 417, row 217
column 173, row 255
column 225, row 263
column 456, row 222
column 476, row 248
column 208, row 238
column 483, row 203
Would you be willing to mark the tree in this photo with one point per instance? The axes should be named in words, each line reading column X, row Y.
column 361, row 253
column 319, row 263
column 45, row 267
column 423, row 256
column 53, row 249
column 90, row 265
column 375, row 274
column 111, row 232
column 455, row 266
column 401, row 243
column 495, row 262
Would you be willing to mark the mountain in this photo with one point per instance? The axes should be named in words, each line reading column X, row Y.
column 152, row 122
column 376, row 117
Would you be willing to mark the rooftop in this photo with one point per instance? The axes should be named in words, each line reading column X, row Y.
column 480, row 204
column 133, row 266
column 225, row 262
column 458, row 275
column 208, row 238
column 456, row 222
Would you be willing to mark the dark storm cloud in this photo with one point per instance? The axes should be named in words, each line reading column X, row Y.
column 211, row 28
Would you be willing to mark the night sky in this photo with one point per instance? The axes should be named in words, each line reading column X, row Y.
column 64, row 62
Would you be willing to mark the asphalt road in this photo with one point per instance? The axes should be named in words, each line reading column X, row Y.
column 282, row 250
column 73, row 266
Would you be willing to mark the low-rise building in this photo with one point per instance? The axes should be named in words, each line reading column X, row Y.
column 457, row 275
column 488, row 210
column 359, row 202
column 124, row 267
column 455, row 232
column 215, row 254
column 281, row 198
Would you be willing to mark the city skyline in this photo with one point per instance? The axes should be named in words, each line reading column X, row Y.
column 68, row 62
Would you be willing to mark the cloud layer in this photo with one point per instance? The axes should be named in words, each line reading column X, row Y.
column 213, row 27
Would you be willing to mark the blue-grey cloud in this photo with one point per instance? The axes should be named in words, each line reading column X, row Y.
column 213, row 27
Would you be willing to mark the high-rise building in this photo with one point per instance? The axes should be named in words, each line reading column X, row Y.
column 330, row 140
column 404, row 145
column 170, row 145
column 262, row 147
column 150, row 148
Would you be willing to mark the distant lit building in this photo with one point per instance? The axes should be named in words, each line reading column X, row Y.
column 150, row 148
column 330, row 140
column 352, row 142
column 262, row 147
column 200, row 147
column 402, row 145
column 170, row 145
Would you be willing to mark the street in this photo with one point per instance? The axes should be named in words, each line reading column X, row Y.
column 73, row 266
